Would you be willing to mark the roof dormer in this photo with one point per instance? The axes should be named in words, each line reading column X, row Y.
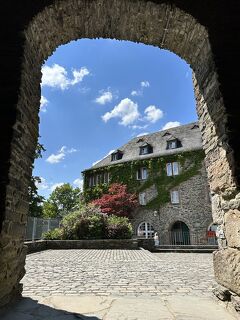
column 145, row 148
column 173, row 143
column 117, row 155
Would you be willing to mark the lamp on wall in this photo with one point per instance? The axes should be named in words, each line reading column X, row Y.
column 155, row 213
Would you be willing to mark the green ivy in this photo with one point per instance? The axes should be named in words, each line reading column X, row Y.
column 190, row 163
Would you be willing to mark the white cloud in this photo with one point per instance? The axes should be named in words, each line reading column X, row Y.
column 110, row 152
column 60, row 155
column 43, row 185
column 136, row 93
column 78, row 183
column 43, row 104
column 126, row 110
column 142, row 134
column 153, row 113
column 55, row 158
column 106, row 96
column 145, row 84
column 171, row 124
column 55, row 185
column 136, row 126
column 78, row 75
column 57, row 77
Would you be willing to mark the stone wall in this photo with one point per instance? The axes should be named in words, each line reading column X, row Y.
column 201, row 32
column 128, row 244
column 194, row 209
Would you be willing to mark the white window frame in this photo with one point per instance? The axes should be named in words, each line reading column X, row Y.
column 144, row 150
column 175, row 168
column 147, row 228
column 172, row 144
column 175, row 197
column 142, row 173
column 142, row 198
column 172, row 168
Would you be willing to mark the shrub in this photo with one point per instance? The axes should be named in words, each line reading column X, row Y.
column 55, row 234
column 118, row 228
column 97, row 227
column 90, row 223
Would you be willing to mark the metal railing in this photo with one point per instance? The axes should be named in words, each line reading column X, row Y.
column 37, row 226
column 182, row 238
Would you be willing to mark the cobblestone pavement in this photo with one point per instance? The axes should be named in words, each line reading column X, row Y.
column 117, row 272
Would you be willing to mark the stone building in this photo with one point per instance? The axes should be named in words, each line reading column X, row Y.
column 166, row 170
column 191, row 29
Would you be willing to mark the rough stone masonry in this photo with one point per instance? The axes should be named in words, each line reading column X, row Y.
column 204, row 33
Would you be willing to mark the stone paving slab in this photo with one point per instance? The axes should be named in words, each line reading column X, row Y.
column 117, row 272
column 112, row 308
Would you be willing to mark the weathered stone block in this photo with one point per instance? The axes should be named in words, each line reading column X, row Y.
column 232, row 228
column 227, row 268
column 217, row 212
column 236, row 302
column 222, row 293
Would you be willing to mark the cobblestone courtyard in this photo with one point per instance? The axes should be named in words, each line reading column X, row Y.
column 117, row 272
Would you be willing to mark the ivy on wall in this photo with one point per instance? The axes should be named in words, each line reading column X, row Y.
column 190, row 164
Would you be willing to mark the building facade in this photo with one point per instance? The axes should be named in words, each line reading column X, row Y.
column 166, row 170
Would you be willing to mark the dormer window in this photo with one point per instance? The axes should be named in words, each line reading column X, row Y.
column 146, row 149
column 117, row 155
column 173, row 144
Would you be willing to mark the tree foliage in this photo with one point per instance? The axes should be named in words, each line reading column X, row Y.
column 61, row 201
column 35, row 200
column 117, row 201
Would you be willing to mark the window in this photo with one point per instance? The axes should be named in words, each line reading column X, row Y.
column 117, row 155
column 175, row 196
column 146, row 149
column 92, row 181
column 106, row 177
column 173, row 144
column 142, row 198
column 172, row 169
column 99, row 179
column 142, row 174
column 146, row 230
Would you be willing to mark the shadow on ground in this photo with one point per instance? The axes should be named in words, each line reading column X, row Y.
column 29, row 309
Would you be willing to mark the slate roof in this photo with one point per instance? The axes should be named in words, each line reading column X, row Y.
column 188, row 134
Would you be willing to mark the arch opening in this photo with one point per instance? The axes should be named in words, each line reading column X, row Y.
column 162, row 25
column 180, row 234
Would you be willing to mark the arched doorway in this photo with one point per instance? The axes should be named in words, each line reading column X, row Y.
column 145, row 230
column 179, row 234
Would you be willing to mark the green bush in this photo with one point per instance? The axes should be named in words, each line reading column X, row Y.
column 89, row 223
column 55, row 234
column 118, row 228
column 97, row 227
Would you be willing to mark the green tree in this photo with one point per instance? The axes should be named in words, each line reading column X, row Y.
column 61, row 201
column 35, row 200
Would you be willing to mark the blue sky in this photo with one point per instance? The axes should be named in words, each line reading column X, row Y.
column 98, row 94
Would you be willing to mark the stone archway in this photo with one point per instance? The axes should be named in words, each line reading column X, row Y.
column 180, row 234
column 161, row 24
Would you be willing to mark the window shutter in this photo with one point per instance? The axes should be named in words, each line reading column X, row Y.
column 169, row 169
column 175, row 196
column 175, row 168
